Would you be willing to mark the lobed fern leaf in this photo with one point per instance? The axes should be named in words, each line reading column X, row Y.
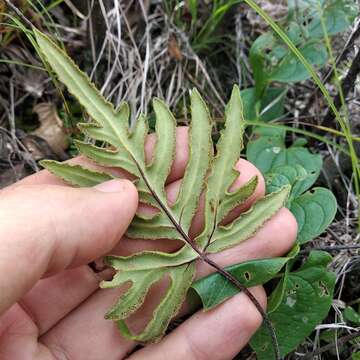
column 205, row 172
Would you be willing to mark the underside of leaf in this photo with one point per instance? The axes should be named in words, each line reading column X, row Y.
column 208, row 171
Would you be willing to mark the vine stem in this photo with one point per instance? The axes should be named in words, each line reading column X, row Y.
column 259, row 308
column 228, row 276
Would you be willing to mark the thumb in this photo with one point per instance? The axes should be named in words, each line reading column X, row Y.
column 48, row 228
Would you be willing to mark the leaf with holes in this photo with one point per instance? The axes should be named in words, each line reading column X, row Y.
column 212, row 174
column 305, row 302
column 215, row 289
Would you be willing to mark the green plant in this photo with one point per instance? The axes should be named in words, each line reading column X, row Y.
column 288, row 305
column 314, row 210
column 202, row 28
column 308, row 23
column 297, row 166
column 291, row 63
column 205, row 171
column 287, row 56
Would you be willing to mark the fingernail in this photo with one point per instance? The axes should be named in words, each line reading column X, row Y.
column 111, row 186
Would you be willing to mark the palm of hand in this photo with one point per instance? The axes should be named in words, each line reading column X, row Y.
column 58, row 229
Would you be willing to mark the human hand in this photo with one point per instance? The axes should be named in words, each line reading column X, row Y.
column 50, row 304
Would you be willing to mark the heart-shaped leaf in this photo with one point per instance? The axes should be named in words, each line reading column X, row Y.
column 314, row 212
column 268, row 150
column 294, row 166
column 306, row 301
column 296, row 176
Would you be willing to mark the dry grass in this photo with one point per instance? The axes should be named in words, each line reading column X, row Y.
column 136, row 50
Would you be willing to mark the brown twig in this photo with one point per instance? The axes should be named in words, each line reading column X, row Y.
column 354, row 35
column 328, row 347
column 331, row 248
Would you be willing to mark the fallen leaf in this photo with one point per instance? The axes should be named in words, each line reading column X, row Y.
column 174, row 49
column 51, row 128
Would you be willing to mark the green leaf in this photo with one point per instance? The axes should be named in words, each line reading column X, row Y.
column 199, row 161
column 351, row 315
column 222, row 173
column 149, row 260
column 75, row 174
column 192, row 183
column 290, row 69
column 258, row 62
column 214, row 288
column 212, row 174
column 337, row 15
column 81, row 87
column 236, row 198
column 278, row 294
column 294, row 166
column 105, row 157
column 249, row 222
column 271, row 59
column 180, row 281
column 164, row 152
column 134, row 297
column 296, row 176
column 271, row 104
column 314, row 211
column 306, row 302
column 268, row 151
